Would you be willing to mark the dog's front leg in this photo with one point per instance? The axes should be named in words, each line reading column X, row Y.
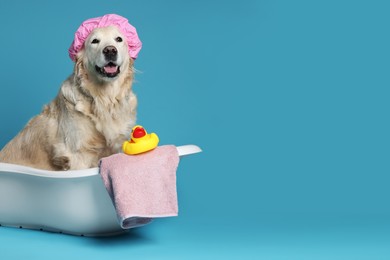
column 61, row 157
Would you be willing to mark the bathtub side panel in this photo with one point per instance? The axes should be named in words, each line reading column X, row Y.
column 69, row 205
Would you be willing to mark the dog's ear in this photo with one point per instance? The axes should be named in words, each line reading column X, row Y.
column 129, row 73
column 131, row 62
column 79, row 70
column 131, row 66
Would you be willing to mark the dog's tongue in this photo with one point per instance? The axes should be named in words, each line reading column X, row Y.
column 110, row 69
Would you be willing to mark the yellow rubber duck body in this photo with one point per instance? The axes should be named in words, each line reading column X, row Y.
column 140, row 141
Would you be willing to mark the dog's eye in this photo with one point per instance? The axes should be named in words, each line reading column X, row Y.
column 94, row 41
column 118, row 39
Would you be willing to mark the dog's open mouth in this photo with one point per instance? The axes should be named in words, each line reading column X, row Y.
column 109, row 70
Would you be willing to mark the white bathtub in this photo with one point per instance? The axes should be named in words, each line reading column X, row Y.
column 72, row 202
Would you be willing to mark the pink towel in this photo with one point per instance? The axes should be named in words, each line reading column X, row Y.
column 142, row 186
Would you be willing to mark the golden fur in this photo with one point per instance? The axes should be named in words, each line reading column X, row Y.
column 89, row 119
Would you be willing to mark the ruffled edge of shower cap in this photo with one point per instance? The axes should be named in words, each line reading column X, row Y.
column 129, row 31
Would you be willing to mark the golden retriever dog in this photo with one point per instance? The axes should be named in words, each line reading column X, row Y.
column 91, row 116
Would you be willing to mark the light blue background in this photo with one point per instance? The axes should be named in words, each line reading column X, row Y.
column 288, row 99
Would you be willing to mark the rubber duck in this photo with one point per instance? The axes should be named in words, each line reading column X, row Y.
column 140, row 141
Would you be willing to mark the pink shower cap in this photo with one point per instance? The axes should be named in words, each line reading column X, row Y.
column 123, row 25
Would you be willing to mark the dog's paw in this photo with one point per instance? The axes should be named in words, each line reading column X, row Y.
column 61, row 163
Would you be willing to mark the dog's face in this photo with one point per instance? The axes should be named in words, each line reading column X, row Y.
column 106, row 53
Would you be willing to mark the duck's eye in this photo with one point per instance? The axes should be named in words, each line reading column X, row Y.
column 95, row 41
column 118, row 39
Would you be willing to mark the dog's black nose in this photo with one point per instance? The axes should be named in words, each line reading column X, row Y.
column 110, row 52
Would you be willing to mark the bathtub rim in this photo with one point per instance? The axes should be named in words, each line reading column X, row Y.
column 14, row 168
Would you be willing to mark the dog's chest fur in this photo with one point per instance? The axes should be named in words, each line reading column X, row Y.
column 104, row 118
